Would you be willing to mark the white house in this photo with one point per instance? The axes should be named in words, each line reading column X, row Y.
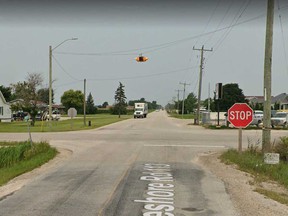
column 5, row 111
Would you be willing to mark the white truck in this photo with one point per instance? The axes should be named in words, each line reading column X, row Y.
column 280, row 119
column 140, row 110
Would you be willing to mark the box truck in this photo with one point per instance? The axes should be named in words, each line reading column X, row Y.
column 140, row 110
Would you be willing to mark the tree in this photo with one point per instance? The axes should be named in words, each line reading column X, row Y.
column 74, row 99
column 190, row 103
column 231, row 94
column 44, row 95
column 27, row 91
column 6, row 91
column 105, row 104
column 120, row 100
column 90, row 107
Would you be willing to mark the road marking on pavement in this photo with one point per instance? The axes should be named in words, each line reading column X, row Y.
column 186, row 146
column 159, row 198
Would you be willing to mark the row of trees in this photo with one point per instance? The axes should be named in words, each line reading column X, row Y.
column 29, row 93
column 231, row 94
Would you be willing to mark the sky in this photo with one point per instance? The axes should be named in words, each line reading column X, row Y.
column 111, row 34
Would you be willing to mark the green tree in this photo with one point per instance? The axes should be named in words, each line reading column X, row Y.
column 190, row 103
column 43, row 94
column 231, row 94
column 27, row 91
column 120, row 100
column 105, row 104
column 74, row 99
column 7, row 92
column 90, row 107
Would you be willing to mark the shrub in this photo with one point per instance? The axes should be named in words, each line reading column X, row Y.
column 13, row 154
column 282, row 148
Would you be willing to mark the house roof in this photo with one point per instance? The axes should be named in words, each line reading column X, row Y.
column 282, row 98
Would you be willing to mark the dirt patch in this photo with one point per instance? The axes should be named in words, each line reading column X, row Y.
column 241, row 186
column 18, row 182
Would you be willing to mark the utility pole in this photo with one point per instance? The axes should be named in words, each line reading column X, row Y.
column 200, row 80
column 184, row 88
column 50, row 86
column 178, row 90
column 84, row 101
column 266, row 132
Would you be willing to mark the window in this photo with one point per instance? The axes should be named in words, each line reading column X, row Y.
column 1, row 110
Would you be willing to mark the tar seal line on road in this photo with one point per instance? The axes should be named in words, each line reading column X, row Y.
column 160, row 193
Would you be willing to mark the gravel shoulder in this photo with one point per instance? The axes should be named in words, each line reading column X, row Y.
column 240, row 186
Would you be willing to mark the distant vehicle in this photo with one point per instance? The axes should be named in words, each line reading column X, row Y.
column 280, row 119
column 55, row 115
column 257, row 118
column 140, row 110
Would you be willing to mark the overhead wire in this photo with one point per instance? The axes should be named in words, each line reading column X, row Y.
column 140, row 76
column 221, row 21
column 160, row 46
column 63, row 69
column 283, row 38
column 235, row 21
column 209, row 20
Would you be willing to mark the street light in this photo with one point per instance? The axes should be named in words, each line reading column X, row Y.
column 50, row 75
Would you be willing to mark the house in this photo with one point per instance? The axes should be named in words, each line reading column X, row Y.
column 279, row 102
column 5, row 111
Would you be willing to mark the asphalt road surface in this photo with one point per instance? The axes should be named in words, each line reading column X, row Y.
column 134, row 167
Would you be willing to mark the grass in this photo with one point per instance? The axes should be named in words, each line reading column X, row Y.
column 65, row 125
column 251, row 161
column 179, row 116
column 17, row 158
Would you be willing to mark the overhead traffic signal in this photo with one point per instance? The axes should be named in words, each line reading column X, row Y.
column 141, row 58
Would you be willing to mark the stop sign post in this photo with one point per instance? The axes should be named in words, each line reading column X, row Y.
column 240, row 115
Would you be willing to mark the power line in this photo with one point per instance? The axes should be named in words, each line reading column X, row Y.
column 63, row 69
column 283, row 38
column 160, row 46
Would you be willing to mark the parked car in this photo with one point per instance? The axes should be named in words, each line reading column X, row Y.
column 55, row 115
column 257, row 118
column 280, row 119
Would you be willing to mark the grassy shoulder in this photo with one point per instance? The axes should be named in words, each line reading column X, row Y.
column 17, row 158
column 65, row 125
column 251, row 161
column 180, row 116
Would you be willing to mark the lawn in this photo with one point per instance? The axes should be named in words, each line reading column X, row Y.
column 17, row 158
column 65, row 125
column 251, row 162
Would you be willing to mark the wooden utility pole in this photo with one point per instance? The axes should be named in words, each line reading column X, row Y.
column 184, row 88
column 178, row 90
column 266, row 133
column 200, row 81
column 84, row 103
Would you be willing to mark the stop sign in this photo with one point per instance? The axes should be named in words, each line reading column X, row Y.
column 240, row 115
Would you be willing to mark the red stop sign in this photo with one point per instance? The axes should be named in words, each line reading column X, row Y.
column 240, row 115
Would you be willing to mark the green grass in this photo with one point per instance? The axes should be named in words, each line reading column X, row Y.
column 65, row 125
column 251, row 161
column 179, row 116
column 21, row 157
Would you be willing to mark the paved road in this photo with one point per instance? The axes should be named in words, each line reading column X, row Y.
column 135, row 167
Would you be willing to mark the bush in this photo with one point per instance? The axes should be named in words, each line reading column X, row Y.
column 36, row 149
column 22, row 151
column 13, row 154
column 282, row 148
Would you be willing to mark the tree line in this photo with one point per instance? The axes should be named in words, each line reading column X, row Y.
column 28, row 95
